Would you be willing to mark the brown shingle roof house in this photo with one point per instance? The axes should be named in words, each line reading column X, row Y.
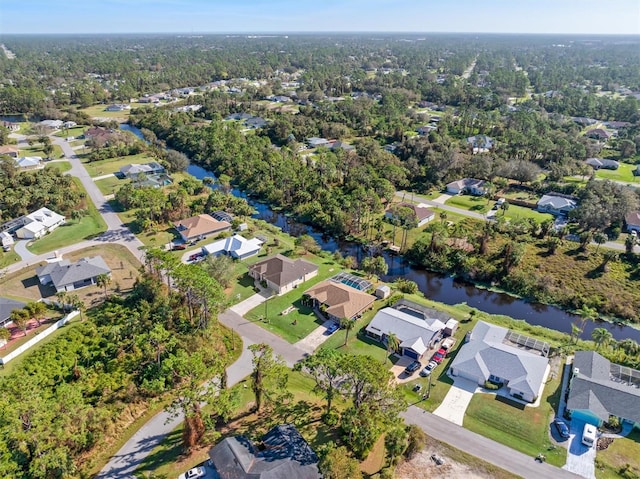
column 341, row 301
column 283, row 274
column 200, row 226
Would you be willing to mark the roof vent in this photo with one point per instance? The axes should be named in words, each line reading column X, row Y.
column 576, row 371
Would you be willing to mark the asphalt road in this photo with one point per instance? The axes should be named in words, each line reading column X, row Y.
column 116, row 231
column 486, row 449
column 131, row 455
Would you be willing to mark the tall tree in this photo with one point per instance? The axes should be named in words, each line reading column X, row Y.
column 347, row 325
column 103, row 281
column 20, row 317
column 326, row 367
column 601, row 337
column 269, row 376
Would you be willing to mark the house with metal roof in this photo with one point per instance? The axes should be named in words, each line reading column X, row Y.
column 493, row 353
column 236, row 246
column 599, row 388
column 39, row 223
column 422, row 213
column 282, row 453
column 607, row 164
column 416, row 333
column 67, row 276
column 471, row 186
column 134, row 170
column 556, row 205
column 29, row 163
column 282, row 274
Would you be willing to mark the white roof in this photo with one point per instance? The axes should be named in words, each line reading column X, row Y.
column 235, row 245
column 27, row 161
column 44, row 217
column 411, row 331
column 486, row 354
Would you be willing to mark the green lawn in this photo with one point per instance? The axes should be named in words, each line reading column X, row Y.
column 525, row 429
column 304, row 318
column 108, row 186
column 111, row 165
column 61, row 166
column 73, row 231
column 36, row 150
column 519, row 212
column 620, row 453
column 477, row 204
column 7, row 258
column 75, row 132
column 624, row 173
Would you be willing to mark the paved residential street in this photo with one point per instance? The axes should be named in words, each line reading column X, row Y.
column 130, row 456
column 486, row 449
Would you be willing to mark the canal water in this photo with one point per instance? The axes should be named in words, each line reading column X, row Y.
column 435, row 286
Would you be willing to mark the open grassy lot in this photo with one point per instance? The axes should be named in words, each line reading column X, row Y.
column 109, row 186
column 525, row 429
column 36, row 150
column 7, row 258
column 73, row 231
column 519, row 212
column 622, row 452
column 111, row 165
column 624, row 173
column 98, row 111
column 515, row 193
column 23, row 285
column 301, row 321
column 75, row 132
column 61, row 166
column 477, row 204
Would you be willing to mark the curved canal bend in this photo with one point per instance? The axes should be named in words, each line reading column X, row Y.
column 435, row 286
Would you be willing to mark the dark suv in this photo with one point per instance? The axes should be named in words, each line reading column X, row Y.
column 412, row 368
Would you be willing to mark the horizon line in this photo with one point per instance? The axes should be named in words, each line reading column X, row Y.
column 323, row 32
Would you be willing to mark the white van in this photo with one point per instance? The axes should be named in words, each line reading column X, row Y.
column 589, row 435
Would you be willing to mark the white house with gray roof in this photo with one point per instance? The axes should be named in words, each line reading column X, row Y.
column 417, row 331
column 491, row 354
column 599, row 389
column 556, row 205
column 67, row 276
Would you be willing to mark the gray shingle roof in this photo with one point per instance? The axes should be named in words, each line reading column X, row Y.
column 594, row 388
column 284, row 455
column 485, row 354
column 64, row 273
column 6, row 306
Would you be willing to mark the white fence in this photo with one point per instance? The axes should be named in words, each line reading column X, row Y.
column 39, row 337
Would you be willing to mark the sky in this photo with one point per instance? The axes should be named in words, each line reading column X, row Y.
column 289, row 16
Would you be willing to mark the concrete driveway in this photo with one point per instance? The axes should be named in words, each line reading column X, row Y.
column 21, row 250
column 251, row 302
column 315, row 338
column 456, row 401
column 580, row 458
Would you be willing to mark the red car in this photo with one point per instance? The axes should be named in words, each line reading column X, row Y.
column 438, row 357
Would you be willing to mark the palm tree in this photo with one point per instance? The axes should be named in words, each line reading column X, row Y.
column 629, row 243
column 102, row 281
column 62, row 297
column 393, row 343
column 20, row 317
column 608, row 257
column 36, row 309
column 601, row 337
column 575, row 332
column 600, row 239
column 504, row 207
column 78, row 304
column 346, row 324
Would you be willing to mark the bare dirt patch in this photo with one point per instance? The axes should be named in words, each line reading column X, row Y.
column 457, row 465
column 423, row 466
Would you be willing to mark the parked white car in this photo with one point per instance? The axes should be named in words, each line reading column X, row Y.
column 193, row 473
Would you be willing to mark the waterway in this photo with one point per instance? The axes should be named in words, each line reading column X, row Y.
column 438, row 287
